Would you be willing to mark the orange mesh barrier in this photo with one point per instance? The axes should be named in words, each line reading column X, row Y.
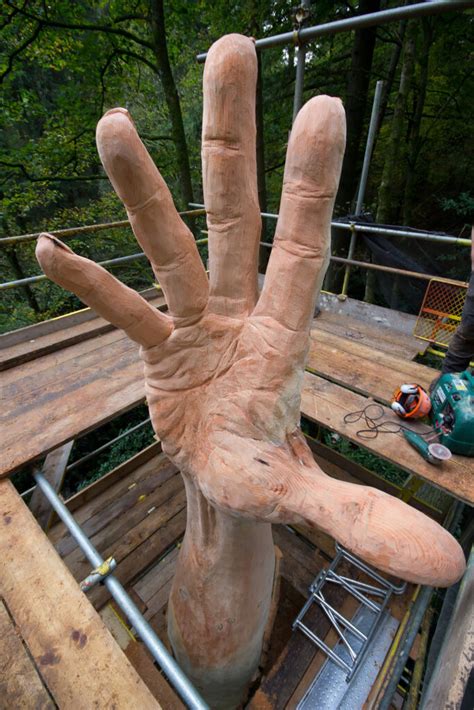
column 441, row 310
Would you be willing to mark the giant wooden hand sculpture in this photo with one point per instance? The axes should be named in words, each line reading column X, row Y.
column 224, row 369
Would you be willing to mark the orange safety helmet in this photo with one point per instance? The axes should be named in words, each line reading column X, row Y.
column 411, row 402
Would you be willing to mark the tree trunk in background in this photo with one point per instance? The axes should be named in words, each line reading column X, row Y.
column 356, row 103
column 355, row 106
column 20, row 274
column 390, row 187
column 171, row 98
column 414, row 140
column 392, row 70
column 370, row 279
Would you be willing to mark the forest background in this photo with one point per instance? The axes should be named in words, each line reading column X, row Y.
column 64, row 63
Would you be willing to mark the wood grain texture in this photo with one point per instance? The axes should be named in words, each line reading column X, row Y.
column 54, row 469
column 102, row 397
column 77, row 657
column 451, row 683
column 360, row 367
column 21, row 686
column 377, row 336
column 34, row 341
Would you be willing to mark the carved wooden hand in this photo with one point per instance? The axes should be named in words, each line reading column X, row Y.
column 224, row 368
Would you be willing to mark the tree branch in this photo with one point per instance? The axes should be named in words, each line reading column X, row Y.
column 108, row 29
column 51, row 178
column 20, row 49
column 125, row 18
column 138, row 57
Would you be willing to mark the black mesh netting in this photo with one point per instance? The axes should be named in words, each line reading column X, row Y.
column 399, row 292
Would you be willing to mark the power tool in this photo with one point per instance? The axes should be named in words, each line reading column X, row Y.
column 451, row 410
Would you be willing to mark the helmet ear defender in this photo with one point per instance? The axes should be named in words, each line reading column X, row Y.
column 411, row 401
column 398, row 409
column 409, row 389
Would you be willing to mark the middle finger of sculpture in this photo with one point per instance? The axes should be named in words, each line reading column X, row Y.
column 224, row 368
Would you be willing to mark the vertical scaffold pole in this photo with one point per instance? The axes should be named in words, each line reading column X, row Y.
column 301, row 59
column 374, row 119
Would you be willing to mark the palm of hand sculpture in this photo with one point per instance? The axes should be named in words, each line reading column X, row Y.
column 224, row 369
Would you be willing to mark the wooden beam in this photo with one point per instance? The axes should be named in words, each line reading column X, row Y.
column 451, row 684
column 53, row 469
column 79, row 661
column 20, row 682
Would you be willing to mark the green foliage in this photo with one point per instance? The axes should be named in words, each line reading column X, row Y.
column 112, row 456
column 363, row 457
column 462, row 205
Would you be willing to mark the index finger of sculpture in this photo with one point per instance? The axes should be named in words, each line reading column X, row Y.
column 159, row 229
column 110, row 298
column 230, row 174
column 301, row 246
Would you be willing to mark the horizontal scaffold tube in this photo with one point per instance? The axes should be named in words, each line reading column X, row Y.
column 109, row 262
column 352, row 226
column 71, row 232
column 357, row 22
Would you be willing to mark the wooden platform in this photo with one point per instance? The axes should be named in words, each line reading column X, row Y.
column 137, row 513
column 83, row 376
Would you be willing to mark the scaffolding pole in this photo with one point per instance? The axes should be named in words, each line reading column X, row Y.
column 109, row 262
column 386, row 231
column 173, row 672
column 302, row 13
column 374, row 120
column 359, row 22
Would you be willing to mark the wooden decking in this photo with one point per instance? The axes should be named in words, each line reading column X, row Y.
column 81, row 377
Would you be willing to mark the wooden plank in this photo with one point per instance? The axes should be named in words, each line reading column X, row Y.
column 144, row 555
column 155, row 681
column 103, row 517
column 378, row 337
column 364, row 369
column 279, row 685
column 453, row 672
column 127, row 532
column 348, row 609
column 40, row 339
column 301, row 563
column 151, row 582
column 107, row 381
column 326, row 403
column 77, row 657
column 109, row 479
column 53, row 470
column 21, row 687
column 379, row 316
column 40, row 416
